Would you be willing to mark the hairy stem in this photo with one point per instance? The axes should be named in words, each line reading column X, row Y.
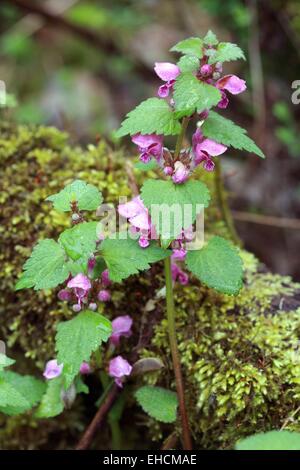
column 180, row 138
column 223, row 205
column 186, row 436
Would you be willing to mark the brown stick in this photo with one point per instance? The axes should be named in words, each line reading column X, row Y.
column 270, row 220
column 90, row 432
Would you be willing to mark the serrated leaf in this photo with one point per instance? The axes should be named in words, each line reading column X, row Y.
column 126, row 257
column 225, row 132
column 192, row 95
column 76, row 339
column 5, row 361
column 226, row 51
column 87, row 196
column 79, row 241
column 24, row 392
column 218, row 265
column 151, row 116
column 80, row 386
column 188, row 63
column 51, row 404
column 46, row 268
column 158, row 402
column 190, row 46
column 174, row 206
column 210, row 39
column 273, row 440
column 152, row 165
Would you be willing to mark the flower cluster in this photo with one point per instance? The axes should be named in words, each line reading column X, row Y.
column 81, row 290
column 119, row 367
column 203, row 150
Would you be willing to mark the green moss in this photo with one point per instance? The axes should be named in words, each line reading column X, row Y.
column 239, row 354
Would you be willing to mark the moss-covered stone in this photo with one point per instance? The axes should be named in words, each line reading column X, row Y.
column 239, row 355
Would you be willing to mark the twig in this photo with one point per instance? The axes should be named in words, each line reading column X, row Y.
column 170, row 442
column 289, row 418
column 272, row 221
column 131, row 179
column 96, row 422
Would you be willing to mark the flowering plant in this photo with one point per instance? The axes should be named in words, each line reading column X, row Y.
column 85, row 261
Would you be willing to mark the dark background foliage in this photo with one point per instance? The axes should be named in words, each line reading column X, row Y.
column 81, row 65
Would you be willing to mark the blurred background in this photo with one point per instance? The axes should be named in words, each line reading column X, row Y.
column 80, row 65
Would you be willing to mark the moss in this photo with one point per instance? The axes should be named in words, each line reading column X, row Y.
column 239, row 355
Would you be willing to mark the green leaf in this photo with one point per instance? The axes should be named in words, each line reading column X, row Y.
column 87, row 196
column 46, row 267
column 191, row 94
column 51, row 404
column 19, row 393
column 151, row 116
column 217, row 265
column 5, row 361
column 226, row 52
column 190, row 46
column 273, row 440
column 225, row 132
column 188, row 63
column 80, row 386
column 152, row 165
column 210, row 39
column 174, row 206
column 159, row 403
column 125, row 257
column 80, row 241
column 76, row 339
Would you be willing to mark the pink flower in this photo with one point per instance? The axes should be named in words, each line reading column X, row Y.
column 121, row 326
column 150, row 145
column 179, row 275
column 119, row 368
column 144, row 242
column 204, row 149
column 105, row 278
column 206, row 70
column 52, row 369
column 179, row 254
column 181, row 173
column 231, row 83
column 81, row 285
column 104, row 295
column 85, row 368
column 168, row 73
column 64, row 294
column 136, row 213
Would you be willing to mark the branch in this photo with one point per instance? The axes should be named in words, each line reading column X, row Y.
column 272, row 221
column 90, row 36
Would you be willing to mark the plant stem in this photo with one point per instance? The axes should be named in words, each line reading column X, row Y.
column 186, row 436
column 180, row 138
column 223, row 205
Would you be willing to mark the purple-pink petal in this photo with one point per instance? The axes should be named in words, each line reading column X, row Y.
column 131, row 208
column 231, row 83
column 166, row 71
column 119, row 368
column 181, row 173
column 211, row 147
column 80, row 281
column 52, row 369
column 104, row 295
column 85, row 368
column 121, row 326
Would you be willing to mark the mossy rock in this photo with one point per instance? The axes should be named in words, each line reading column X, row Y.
column 239, row 354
